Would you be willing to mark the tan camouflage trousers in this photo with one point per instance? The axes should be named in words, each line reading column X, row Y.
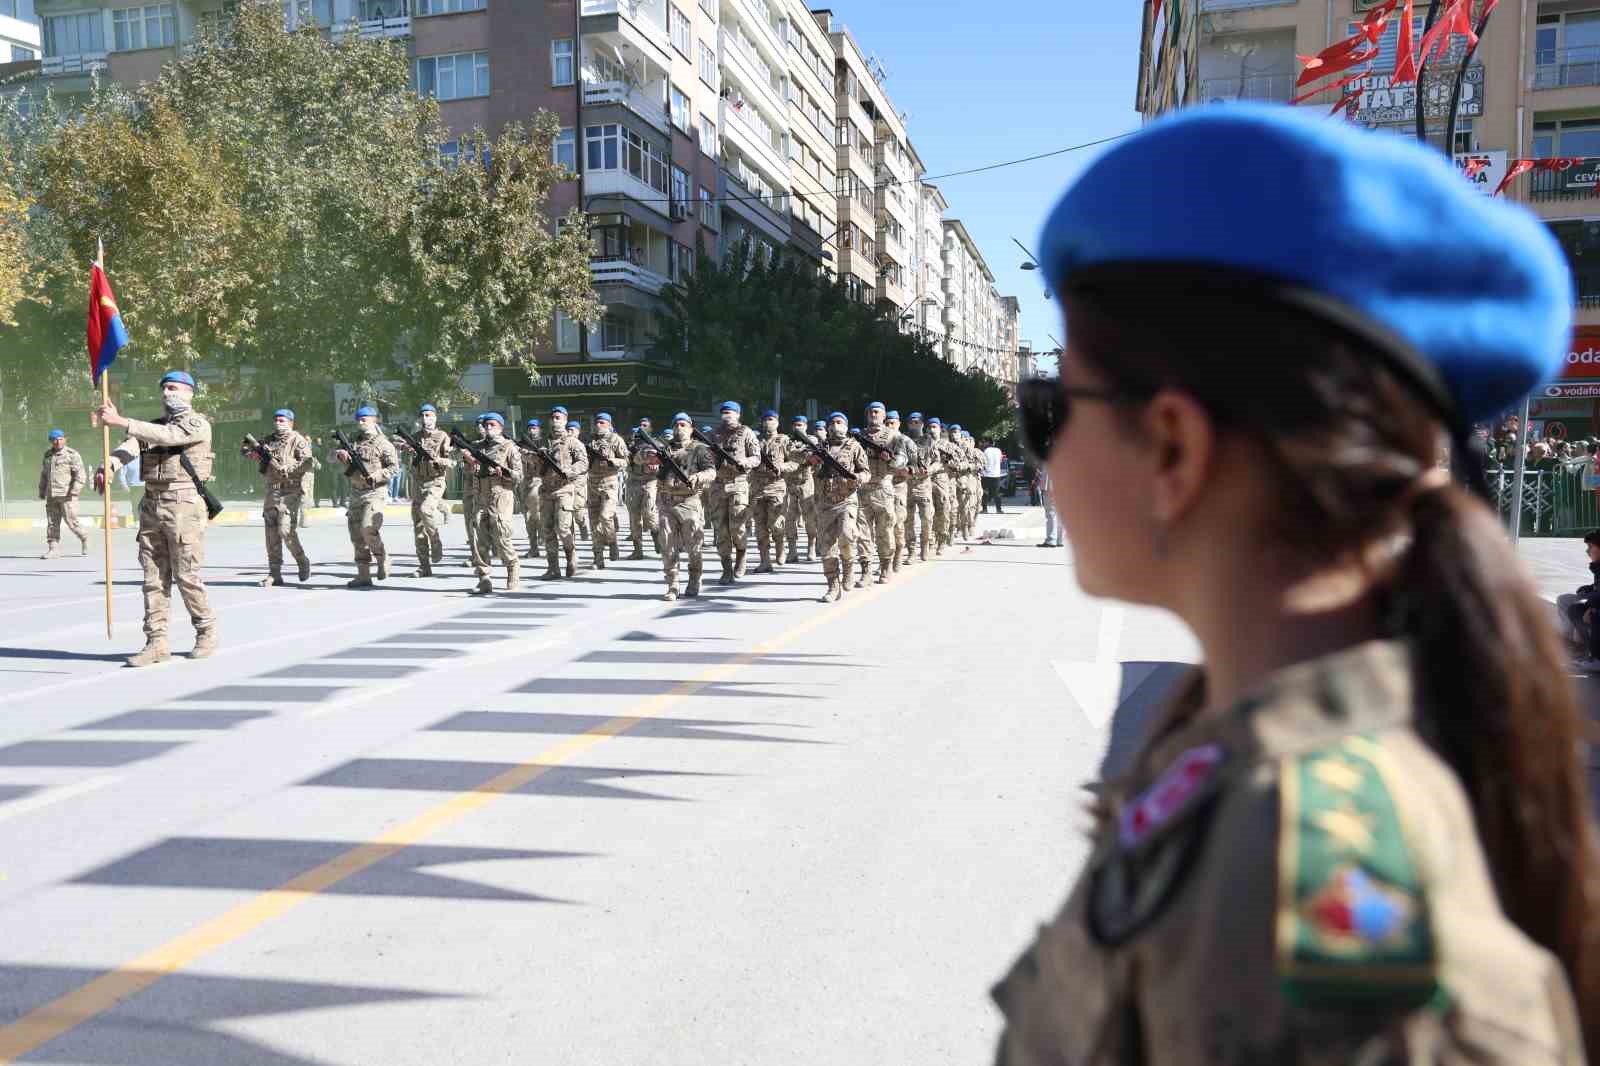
column 961, row 521
column 601, row 504
column 683, row 532
column 836, row 528
column 59, row 509
column 469, row 508
column 280, row 511
column 879, row 513
column 428, row 518
column 768, row 511
column 580, row 510
column 557, row 510
column 902, row 514
column 172, row 549
column 728, row 512
column 641, row 500
column 532, row 516
column 919, row 526
column 494, row 533
column 799, row 509
column 944, row 502
column 364, row 519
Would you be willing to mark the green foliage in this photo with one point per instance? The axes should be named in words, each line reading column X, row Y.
column 277, row 200
column 742, row 325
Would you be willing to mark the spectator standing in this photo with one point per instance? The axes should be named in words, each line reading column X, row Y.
column 993, row 470
column 1578, row 610
column 1052, row 522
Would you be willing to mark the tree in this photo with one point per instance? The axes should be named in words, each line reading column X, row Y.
column 15, row 275
column 278, row 200
column 742, row 325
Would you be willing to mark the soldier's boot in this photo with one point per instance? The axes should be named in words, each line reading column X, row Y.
column 611, row 550
column 303, row 567
column 572, row 562
column 765, row 566
column 363, row 578
column 438, row 550
column 726, row 577
column 52, row 550
column 845, row 567
column 83, row 545
column 637, row 553
column 383, row 567
column 154, row 651
column 693, row 589
column 863, row 569
column 655, row 542
column 424, row 569
column 205, row 643
column 483, row 588
column 830, row 571
column 885, row 568
column 513, row 578
column 738, row 562
column 794, row 552
column 671, row 593
column 274, row 577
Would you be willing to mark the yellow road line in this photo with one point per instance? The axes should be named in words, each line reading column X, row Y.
column 43, row 1024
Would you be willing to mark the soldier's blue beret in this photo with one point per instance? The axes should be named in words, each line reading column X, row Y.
column 534, row 422
column 576, row 423
column 180, row 376
column 366, row 411
column 934, row 421
column 892, row 416
column 955, row 426
column 493, row 416
column 644, row 420
column 56, row 434
column 603, row 416
column 876, row 405
column 819, row 423
column 559, row 408
column 769, row 413
column 839, row 415
column 283, row 412
column 799, row 418
column 1470, row 297
column 731, row 405
column 914, row 416
column 425, row 408
column 681, row 417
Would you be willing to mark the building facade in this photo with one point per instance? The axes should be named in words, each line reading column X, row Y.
column 975, row 334
column 19, row 32
column 927, row 264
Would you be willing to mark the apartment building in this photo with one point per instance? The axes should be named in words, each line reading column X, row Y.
column 1532, row 90
column 813, row 206
column 972, row 312
column 19, row 32
column 927, row 263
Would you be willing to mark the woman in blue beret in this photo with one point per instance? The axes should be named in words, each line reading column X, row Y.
column 1360, row 832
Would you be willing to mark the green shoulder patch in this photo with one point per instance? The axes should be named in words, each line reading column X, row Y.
column 1353, row 927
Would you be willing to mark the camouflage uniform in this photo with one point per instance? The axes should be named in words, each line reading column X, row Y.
column 558, row 502
column 532, row 486
column 974, row 487
column 925, row 463
column 769, row 497
column 496, row 496
column 641, row 500
column 469, row 502
column 172, row 518
column 730, row 497
column 681, row 512
column 907, row 454
column 61, row 481
column 285, row 466
column 960, row 486
column 364, row 516
column 880, row 511
column 608, row 457
column 428, row 473
column 1297, row 879
column 800, row 503
column 837, row 510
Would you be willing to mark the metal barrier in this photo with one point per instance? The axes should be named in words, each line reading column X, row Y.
column 1554, row 501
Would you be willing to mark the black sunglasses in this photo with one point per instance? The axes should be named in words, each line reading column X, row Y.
column 1045, row 404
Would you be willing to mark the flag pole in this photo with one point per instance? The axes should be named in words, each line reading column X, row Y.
column 105, row 457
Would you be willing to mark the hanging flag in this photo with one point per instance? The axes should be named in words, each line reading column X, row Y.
column 1517, row 168
column 1405, row 67
column 107, row 334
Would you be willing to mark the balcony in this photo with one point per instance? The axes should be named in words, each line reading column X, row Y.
column 758, row 12
column 641, row 24
column 395, row 27
column 1564, row 68
column 601, row 93
column 746, row 195
column 1270, row 88
column 1577, row 183
column 752, row 135
column 751, row 72
column 68, row 66
column 616, row 270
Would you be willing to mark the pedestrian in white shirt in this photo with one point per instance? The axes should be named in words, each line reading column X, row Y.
column 993, row 471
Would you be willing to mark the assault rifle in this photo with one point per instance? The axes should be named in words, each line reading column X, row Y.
column 828, row 461
column 539, row 451
column 418, row 453
column 488, row 465
column 356, row 465
column 882, row 449
column 254, row 447
column 647, row 441
column 716, row 449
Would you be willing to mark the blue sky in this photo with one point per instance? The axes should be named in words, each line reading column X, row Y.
column 985, row 82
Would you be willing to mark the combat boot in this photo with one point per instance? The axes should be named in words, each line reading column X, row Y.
column 612, row 552
column 154, row 651
column 738, row 563
column 829, row 571
column 599, row 557
column 845, row 568
column 483, row 588
column 885, row 568
column 383, row 567
column 726, row 577
column 304, row 567
column 862, row 573
column 438, row 551
column 51, row 551
column 794, row 553
column 671, row 593
column 514, row 579
column 694, row 585
column 572, row 562
column 272, row 578
column 423, row 569
column 205, row 643
column 363, row 578
column 765, row 566
column 83, row 545
column 637, row 553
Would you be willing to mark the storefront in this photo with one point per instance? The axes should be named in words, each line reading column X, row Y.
column 1569, row 407
column 628, row 391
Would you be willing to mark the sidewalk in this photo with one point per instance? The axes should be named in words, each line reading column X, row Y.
column 24, row 515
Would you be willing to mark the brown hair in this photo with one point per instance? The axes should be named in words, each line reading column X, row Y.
column 1350, row 440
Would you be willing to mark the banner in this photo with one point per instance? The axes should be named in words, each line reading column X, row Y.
column 1490, row 173
column 1380, row 102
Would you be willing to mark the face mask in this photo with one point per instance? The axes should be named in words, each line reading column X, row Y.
column 176, row 403
column 492, row 430
column 836, row 433
column 365, row 429
column 680, row 434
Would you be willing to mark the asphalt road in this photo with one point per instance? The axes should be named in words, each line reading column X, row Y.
column 573, row 825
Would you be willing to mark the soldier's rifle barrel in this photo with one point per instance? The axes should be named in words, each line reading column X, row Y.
column 460, row 441
column 252, row 445
column 350, row 449
column 661, row 453
column 718, row 450
column 418, row 453
column 827, row 460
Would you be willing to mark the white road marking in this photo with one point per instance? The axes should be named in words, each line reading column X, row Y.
column 54, row 795
column 1095, row 686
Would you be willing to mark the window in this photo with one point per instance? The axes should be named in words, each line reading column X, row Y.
column 708, row 136
column 450, row 153
column 680, row 110
column 614, row 147
column 680, row 262
column 70, row 35
column 1580, row 240
column 306, row 12
column 710, row 216
column 152, row 26
column 678, row 29
column 561, row 61
column 20, row 54
column 710, row 8
column 376, row 10
column 616, row 333
column 603, row 146
column 708, row 64
column 566, row 333
column 1572, row 137
column 846, row 133
column 681, row 188
column 8, row 8
column 1567, row 50
column 454, row 77
column 448, row 7
column 564, row 149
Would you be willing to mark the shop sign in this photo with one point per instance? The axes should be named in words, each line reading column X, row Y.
column 1492, row 168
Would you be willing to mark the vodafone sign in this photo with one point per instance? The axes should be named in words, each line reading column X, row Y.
column 1583, row 359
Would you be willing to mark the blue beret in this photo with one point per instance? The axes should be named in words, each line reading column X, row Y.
column 56, row 434
column 1470, row 297
column 576, row 423
column 283, row 412
column 493, row 416
column 769, row 413
column 366, row 411
column 798, row 418
column 681, row 417
column 425, row 408
column 934, row 421
column 892, row 416
column 603, row 416
column 875, row 405
column 954, row 426
column 837, row 414
column 731, row 405
column 819, row 423
column 915, row 416
column 558, row 407
column 180, row 376
column 535, row 422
